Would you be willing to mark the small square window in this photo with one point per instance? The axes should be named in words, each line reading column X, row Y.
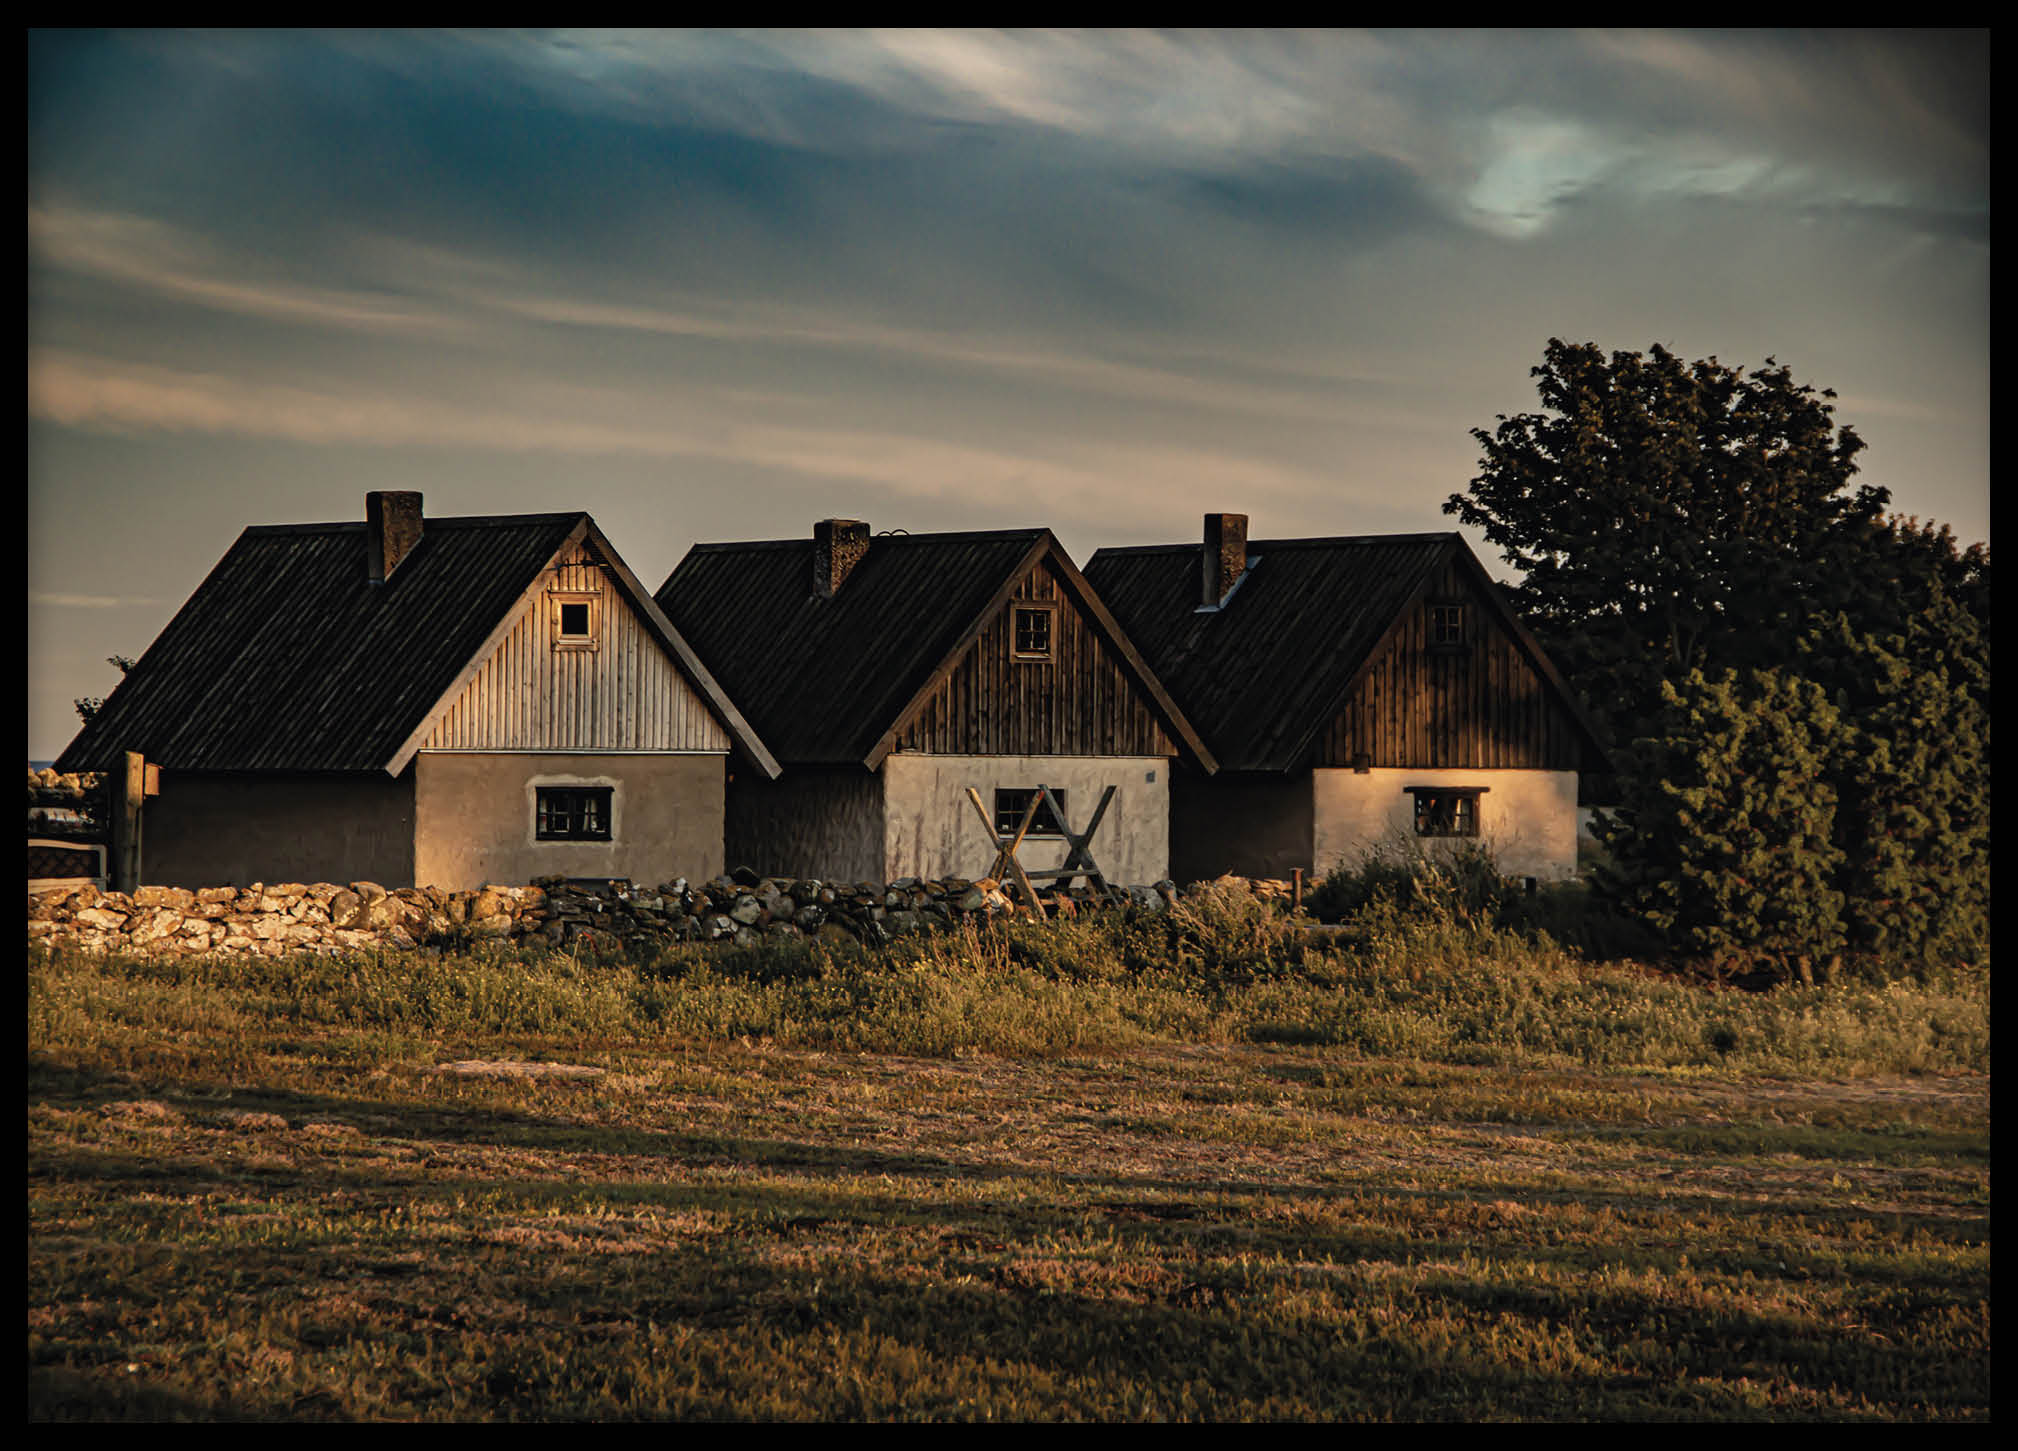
column 1030, row 632
column 1446, row 625
column 1446, row 810
column 574, row 621
column 1010, row 804
column 572, row 813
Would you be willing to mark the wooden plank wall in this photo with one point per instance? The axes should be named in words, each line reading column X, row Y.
column 625, row 695
column 1484, row 707
column 1082, row 703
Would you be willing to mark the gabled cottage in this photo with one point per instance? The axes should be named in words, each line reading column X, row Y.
column 440, row 702
column 1356, row 692
column 892, row 673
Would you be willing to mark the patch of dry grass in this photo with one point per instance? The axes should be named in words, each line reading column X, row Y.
column 246, row 1201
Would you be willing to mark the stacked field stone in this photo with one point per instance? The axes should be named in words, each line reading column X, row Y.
column 272, row 919
column 324, row 917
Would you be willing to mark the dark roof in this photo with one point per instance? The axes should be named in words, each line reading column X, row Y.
column 1263, row 676
column 288, row 658
column 827, row 681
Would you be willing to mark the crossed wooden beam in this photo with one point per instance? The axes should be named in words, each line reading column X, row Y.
column 1078, row 861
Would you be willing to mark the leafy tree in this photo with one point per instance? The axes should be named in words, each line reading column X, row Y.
column 1675, row 523
column 1666, row 517
column 1725, row 841
column 1896, row 580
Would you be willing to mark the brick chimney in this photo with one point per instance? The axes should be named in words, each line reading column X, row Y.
column 392, row 525
column 1224, row 558
column 838, row 546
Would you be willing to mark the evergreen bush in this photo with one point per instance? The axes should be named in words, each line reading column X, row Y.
column 1725, row 840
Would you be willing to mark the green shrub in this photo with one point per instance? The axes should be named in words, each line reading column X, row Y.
column 1464, row 879
column 1724, row 841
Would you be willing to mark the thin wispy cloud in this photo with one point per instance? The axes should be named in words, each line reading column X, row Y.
column 462, row 294
column 135, row 251
column 716, row 283
column 1667, row 112
column 77, row 390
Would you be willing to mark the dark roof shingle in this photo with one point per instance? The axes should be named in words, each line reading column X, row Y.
column 288, row 658
column 1260, row 677
column 822, row 680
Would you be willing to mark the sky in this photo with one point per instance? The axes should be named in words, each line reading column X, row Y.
column 718, row 285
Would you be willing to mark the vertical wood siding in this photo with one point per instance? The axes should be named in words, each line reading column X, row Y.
column 1483, row 707
column 1080, row 703
column 627, row 694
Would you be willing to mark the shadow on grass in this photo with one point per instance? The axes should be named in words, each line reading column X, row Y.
column 571, row 1334
column 68, row 1393
column 1658, row 1229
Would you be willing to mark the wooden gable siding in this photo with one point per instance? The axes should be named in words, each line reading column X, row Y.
column 1081, row 703
column 624, row 695
column 1484, row 707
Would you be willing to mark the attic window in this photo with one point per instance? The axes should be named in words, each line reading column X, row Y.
column 1030, row 632
column 575, row 620
column 1446, row 625
column 1446, row 810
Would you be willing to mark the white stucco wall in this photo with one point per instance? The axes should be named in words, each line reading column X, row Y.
column 474, row 817
column 931, row 830
column 1528, row 819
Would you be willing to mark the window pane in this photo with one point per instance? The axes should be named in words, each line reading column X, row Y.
column 1011, row 803
column 1033, row 632
column 572, row 813
column 1446, row 813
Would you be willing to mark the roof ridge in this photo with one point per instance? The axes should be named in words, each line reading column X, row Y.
column 1304, row 542
column 948, row 536
column 428, row 521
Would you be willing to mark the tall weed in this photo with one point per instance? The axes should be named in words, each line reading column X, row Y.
column 1437, row 980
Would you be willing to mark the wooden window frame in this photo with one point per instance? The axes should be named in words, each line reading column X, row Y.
column 558, row 813
column 561, row 599
column 1012, row 801
column 1439, row 645
column 1033, row 657
column 1462, row 820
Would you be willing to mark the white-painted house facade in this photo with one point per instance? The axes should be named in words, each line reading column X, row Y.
column 1358, row 693
column 895, row 674
column 414, row 701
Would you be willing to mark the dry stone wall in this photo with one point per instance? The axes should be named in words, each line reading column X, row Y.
column 743, row 909
column 325, row 917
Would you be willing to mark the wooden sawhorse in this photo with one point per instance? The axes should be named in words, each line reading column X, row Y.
column 1078, row 860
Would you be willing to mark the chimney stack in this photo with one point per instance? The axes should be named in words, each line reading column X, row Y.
column 392, row 524
column 1224, row 558
column 838, row 546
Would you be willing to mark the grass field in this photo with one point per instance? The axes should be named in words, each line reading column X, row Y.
column 1033, row 1177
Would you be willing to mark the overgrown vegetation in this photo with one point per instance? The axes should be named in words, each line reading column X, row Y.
column 1795, row 686
column 1186, row 1166
column 1460, row 972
